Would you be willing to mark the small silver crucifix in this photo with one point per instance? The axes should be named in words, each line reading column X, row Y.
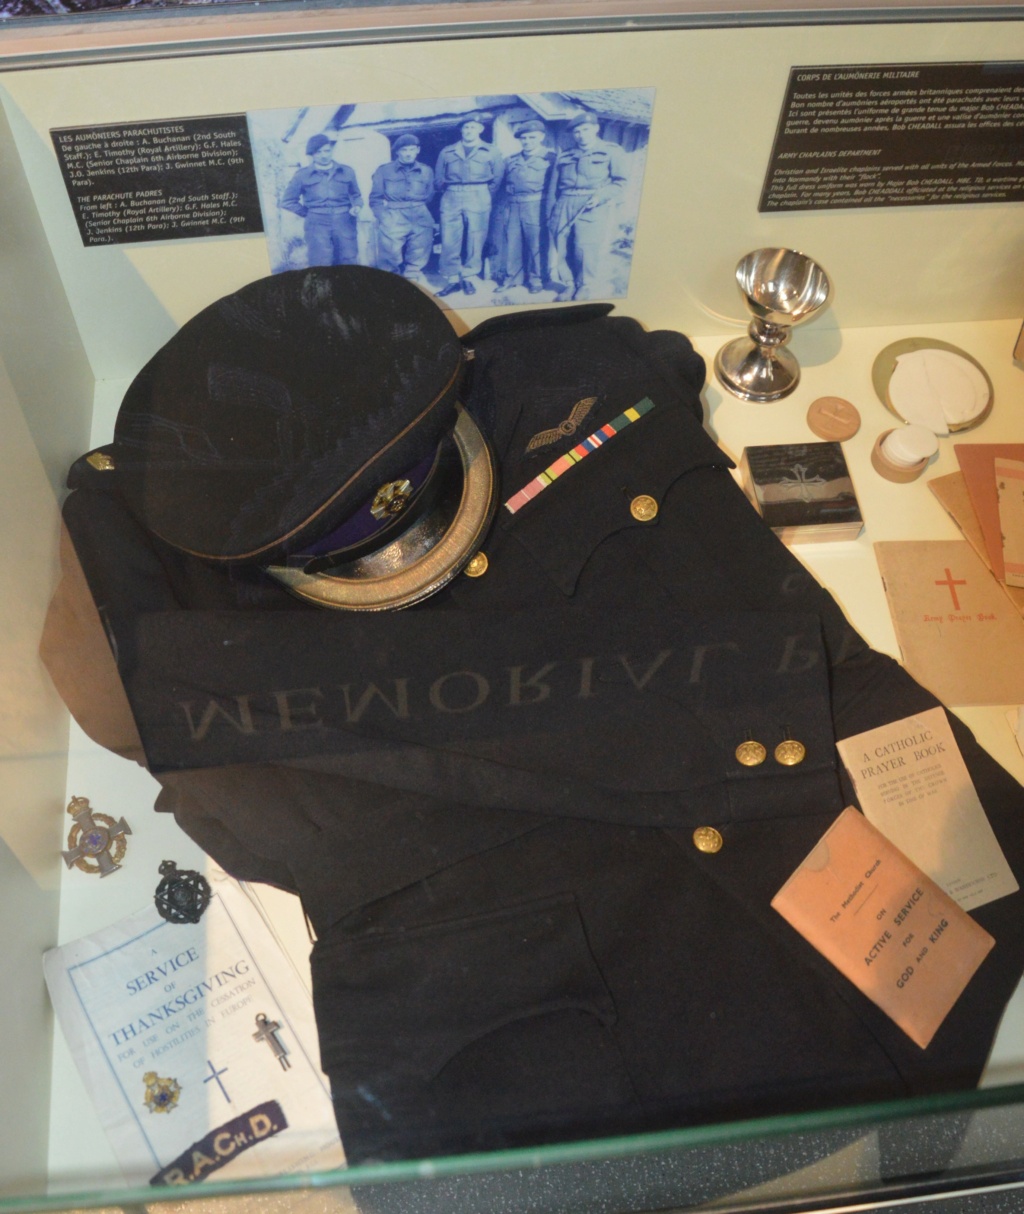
column 268, row 1031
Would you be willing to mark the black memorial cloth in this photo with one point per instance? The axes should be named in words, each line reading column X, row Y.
column 487, row 801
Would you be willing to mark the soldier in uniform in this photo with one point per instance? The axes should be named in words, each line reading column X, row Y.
column 585, row 185
column 468, row 175
column 526, row 180
column 399, row 195
column 326, row 195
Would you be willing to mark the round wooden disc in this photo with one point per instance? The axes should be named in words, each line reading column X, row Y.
column 833, row 418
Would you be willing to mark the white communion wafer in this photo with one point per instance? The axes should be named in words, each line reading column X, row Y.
column 907, row 447
column 937, row 389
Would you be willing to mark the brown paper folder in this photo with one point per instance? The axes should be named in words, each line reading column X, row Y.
column 978, row 464
column 951, row 491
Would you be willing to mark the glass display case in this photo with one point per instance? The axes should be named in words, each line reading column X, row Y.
column 103, row 268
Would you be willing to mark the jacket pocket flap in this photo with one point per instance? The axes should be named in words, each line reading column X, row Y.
column 408, row 1001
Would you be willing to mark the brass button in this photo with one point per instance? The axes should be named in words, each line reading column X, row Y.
column 751, row 753
column 643, row 507
column 100, row 461
column 790, row 753
column 477, row 566
column 707, row 839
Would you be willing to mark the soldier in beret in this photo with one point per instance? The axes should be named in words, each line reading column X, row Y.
column 468, row 175
column 522, row 226
column 399, row 195
column 325, row 194
column 586, row 183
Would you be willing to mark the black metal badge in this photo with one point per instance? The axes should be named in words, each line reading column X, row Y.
column 182, row 895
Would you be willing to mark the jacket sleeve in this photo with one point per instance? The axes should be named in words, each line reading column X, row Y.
column 439, row 170
column 497, row 173
column 291, row 199
column 355, row 194
column 377, row 191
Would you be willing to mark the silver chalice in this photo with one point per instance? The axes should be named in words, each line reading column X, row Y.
column 781, row 287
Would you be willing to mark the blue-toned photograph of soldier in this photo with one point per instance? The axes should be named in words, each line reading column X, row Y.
column 325, row 195
column 491, row 200
column 469, row 174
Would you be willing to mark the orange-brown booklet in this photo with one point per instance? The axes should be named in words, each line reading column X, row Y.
column 1010, row 492
column 951, row 491
column 978, row 464
column 884, row 925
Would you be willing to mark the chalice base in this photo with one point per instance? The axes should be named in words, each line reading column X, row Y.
column 757, row 373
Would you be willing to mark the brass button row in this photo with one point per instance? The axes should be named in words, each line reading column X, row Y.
column 789, row 753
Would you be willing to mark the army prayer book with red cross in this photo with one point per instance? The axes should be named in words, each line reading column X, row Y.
column 957, row 630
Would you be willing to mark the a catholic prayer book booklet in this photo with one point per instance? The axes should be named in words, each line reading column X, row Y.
column 803, row 491
column 884, row 925
column 958, row 632
column 913, row 785
column 197, row 1045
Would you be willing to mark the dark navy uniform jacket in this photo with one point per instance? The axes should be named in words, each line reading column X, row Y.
column 487, row 801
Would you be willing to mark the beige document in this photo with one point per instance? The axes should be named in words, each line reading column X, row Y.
column 884, row 925
column 959, row 634
column 913, row 785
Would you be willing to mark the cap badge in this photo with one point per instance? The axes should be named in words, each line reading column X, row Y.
column 391, row 499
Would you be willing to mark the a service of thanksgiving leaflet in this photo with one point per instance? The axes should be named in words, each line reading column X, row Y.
column 197, row 1044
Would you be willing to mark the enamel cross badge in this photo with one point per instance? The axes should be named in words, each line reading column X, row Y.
column 96, row 843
